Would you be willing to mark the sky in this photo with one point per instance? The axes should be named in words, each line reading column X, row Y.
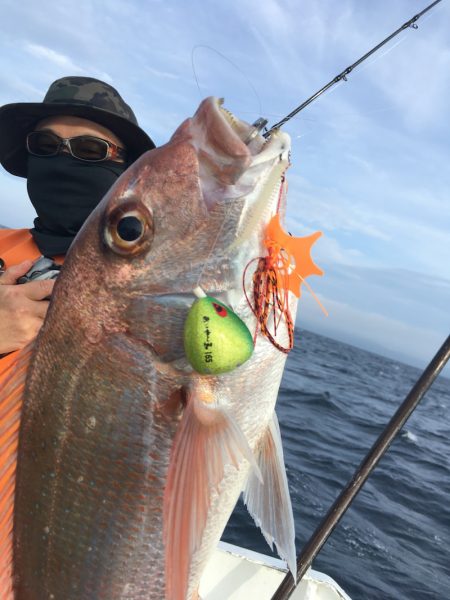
column 370, row 158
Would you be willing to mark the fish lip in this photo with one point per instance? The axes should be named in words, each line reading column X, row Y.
column 244, row 133
column 237, row 130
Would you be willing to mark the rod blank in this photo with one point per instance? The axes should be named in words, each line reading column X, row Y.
column 348, row 70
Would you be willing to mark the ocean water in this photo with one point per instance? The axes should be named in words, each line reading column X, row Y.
column 394, row 541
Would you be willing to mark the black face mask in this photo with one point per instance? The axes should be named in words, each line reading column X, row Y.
column 64, row 191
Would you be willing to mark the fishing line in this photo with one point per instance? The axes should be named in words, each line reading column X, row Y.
column 378, row 57
column 366, row 113
column 194, row 71
column 400, row 40
column 244, row 75
column 277, row 116
column 258, row 99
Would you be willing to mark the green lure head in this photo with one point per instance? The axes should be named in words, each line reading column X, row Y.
column 216, row 340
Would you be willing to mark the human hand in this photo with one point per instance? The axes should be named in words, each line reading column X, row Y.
column 22, row 307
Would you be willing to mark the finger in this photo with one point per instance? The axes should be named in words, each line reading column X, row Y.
column 11, row 275
column 38, row 290
column 39, row 309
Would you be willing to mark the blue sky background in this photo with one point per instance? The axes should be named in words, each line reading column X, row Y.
column 370, row 159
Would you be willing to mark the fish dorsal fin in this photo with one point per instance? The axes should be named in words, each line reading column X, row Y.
column 208, row 439
column 13, row 370
column 269, row 503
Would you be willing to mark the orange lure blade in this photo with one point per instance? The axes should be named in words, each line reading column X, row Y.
column 291, row 255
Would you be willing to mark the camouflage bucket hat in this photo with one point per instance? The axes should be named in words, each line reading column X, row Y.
column 72, row 96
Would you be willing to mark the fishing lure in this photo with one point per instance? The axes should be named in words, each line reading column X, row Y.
column 216, row 340
column 287, row 263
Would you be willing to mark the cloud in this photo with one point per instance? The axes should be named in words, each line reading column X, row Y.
column 391, row 337
column 162, row 74
column 397, row 82
column 13, row 86
column 329, row 250
column 42, row 52
column 271, row 16
column 64, row 62
column 326, row 207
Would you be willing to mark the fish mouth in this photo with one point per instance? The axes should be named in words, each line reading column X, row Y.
column 248, row 134
column 227, row 134
column 248, row 166
column 227, row 147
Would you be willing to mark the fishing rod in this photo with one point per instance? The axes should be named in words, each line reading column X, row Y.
column 379, row 448
column 342, row 76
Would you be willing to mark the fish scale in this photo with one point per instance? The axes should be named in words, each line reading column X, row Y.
column 104, row 508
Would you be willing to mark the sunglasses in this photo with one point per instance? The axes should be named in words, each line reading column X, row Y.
column 83, row 147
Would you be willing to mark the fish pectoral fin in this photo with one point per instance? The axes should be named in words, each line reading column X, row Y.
column 13, row 370
column 208, row 439
column 269, row 503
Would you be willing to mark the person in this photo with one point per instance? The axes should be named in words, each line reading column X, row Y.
column 71, row 148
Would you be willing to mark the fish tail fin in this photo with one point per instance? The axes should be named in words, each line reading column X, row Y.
column 208, row 439
column 12, row 380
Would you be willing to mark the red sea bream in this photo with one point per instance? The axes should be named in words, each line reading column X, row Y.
column 129, row 462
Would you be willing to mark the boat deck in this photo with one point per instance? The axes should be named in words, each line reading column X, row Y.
column 235, row 573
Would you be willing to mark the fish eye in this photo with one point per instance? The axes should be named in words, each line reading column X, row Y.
column 128, row 230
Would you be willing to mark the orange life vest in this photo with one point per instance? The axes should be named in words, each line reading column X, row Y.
column 17, row 245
